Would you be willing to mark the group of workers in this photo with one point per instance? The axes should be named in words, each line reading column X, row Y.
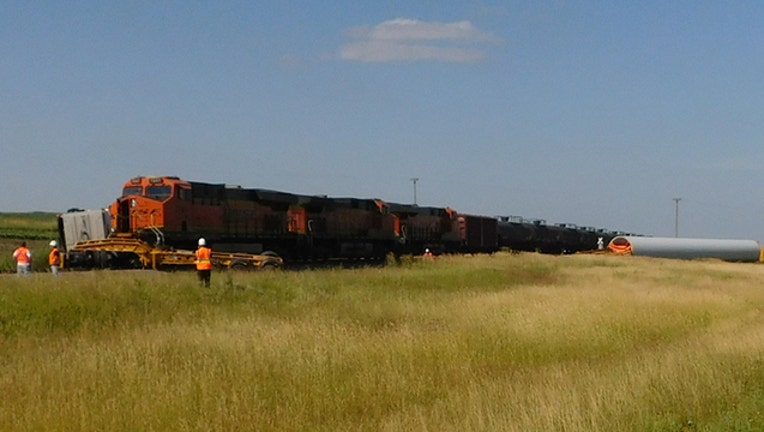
column 22, row 256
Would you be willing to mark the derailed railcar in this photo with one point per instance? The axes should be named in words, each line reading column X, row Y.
column 76, row 226
column 79, row 225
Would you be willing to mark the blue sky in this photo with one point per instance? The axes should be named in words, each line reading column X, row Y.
column 596, row 113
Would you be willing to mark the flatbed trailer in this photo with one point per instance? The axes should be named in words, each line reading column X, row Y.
column 131, row 253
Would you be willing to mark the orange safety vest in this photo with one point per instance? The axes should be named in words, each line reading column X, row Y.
column 21, row 255
column 203, row 261
column 54, row 258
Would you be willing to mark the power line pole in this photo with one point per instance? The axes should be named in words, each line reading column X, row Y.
column 414, row 180
column 676, row 216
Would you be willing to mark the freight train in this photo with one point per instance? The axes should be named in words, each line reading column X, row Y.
column 169, row 211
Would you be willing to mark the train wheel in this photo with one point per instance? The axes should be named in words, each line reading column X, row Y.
column 239, row 266
column 269, row 265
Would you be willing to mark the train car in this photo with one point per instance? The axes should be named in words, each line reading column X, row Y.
column 77, row 225
column 547, row 237
column 591, row 240
column 569, row 238
column 516, row 234
column 348, row 227
column 433, row 228
column 478, row 234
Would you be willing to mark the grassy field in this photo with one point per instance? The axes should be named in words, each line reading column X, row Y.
column 505, row 342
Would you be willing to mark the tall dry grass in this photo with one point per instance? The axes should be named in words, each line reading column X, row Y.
column 507, row 342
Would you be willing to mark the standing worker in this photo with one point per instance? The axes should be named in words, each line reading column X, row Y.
column 428, row 254
column 54, row 258
column 204, row 263
column 23, row 258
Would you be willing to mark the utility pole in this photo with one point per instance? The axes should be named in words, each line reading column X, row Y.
column 414, row 180
column 676, row 216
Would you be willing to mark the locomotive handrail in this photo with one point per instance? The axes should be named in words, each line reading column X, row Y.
column 158, row 234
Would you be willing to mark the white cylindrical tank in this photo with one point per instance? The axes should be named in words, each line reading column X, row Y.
column 687, row 248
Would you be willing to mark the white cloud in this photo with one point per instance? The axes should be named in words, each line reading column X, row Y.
column 404, row 39
column 387, row 52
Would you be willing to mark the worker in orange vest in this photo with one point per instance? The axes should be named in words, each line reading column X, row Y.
column 23, row 258
column 428, row 254
column 204, row 263
column 54, row 258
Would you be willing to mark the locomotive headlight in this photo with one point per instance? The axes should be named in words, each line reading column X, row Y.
column 133, row 203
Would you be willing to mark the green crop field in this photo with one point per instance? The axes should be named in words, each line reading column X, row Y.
column 486, row 343
column 35, row 225
column 37, row 229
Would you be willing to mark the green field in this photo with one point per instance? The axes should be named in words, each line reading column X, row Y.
column 37, row 229
column 492, row 343
column 29, row 226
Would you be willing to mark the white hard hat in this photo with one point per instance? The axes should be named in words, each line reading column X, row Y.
column 53, row 243
column 427, row 249
column 202, row 241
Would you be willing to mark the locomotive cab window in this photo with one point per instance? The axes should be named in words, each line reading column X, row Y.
column 159, row 193
column 184, row 194
column 132, row 190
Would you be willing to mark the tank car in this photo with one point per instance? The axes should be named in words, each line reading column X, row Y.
column 516, row 234
column 571, row 238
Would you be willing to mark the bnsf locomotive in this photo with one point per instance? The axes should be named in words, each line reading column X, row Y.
column 175, row 212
